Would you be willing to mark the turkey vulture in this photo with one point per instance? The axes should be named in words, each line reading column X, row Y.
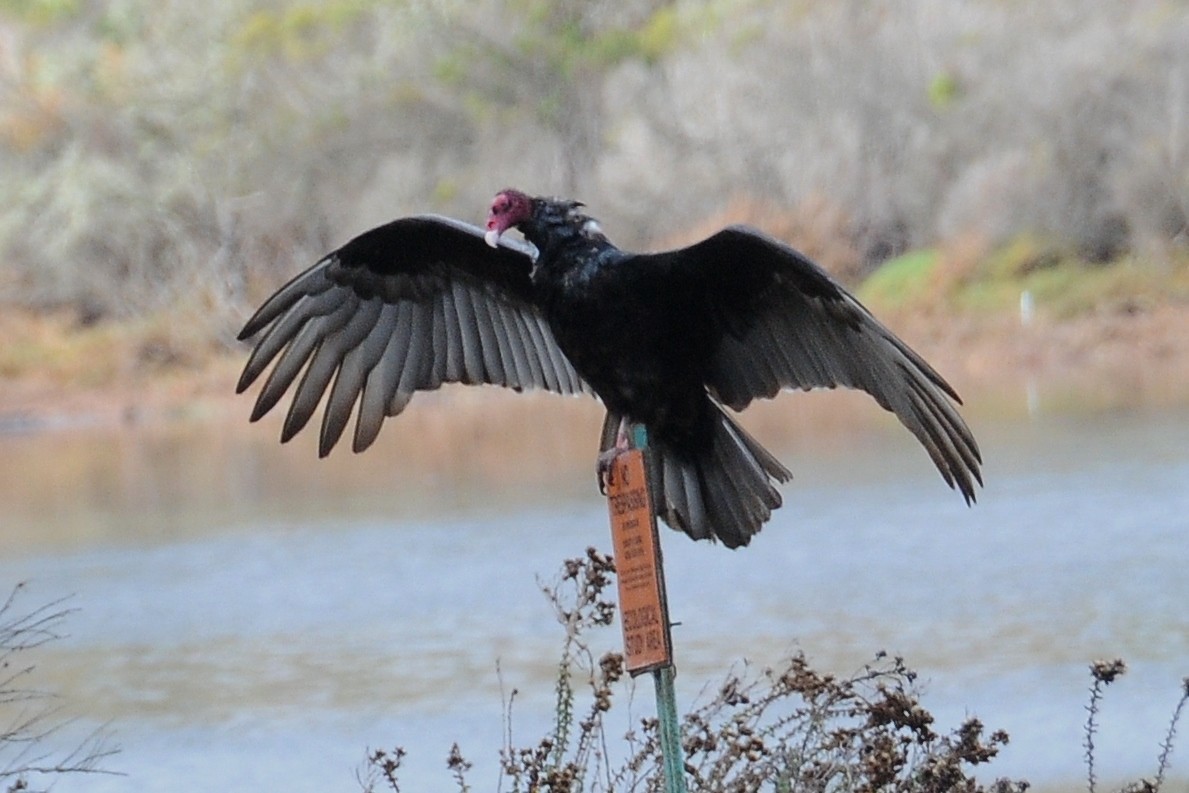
column 665, row 340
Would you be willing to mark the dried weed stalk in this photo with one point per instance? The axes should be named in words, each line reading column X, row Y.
column 794, row 728
column 29, row 719
column 790, row 728
column 1102, row 674
column 563, row 761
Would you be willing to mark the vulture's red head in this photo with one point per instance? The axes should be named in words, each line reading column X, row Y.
column 509, row 208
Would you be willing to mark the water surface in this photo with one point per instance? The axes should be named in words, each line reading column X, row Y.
column 252, row 618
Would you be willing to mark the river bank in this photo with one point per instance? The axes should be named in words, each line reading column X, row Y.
column 1124, row 357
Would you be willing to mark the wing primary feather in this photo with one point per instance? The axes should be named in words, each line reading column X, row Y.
column 814, row 365
column 382, row 378
column 313, row 281
column 785, row 348
column 352, row 373
column 400, row 400
column 507, row 341
column 473, row 364
column 385, row 378
column 958, row 433
column 300, row 407
column 961, row 461
column 740, row 370
column 728, row 380
column 878, row 329
column 766, row 348
column 568, row 381
column 926, row 432
column 521, row 344
column 532, row 347
column 295, row 357
column 454, row 370
column 489, row 340
column 406, row 342
column 560, row 372
column 417, row 365
column 323, row 364
column 282, row 332
column 547, row 353
column 438, row 357
column 461, row 303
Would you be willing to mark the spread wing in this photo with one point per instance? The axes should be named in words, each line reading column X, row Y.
column 768, row 319
column 404, row 307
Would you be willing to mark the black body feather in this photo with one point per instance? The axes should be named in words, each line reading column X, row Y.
column 664, row 339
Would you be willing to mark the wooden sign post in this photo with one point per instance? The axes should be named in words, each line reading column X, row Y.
column 643, row 609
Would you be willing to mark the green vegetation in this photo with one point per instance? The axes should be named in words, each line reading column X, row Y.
column 902, row 281
column 944, row 90
column 1059, row 284
column 159, row 156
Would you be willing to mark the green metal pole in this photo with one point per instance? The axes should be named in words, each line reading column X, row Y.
column 666, row 694
column 670, row 730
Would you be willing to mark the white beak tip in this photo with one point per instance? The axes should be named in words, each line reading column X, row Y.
column 492, row 238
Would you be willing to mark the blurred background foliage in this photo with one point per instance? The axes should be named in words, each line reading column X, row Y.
column 166, row 155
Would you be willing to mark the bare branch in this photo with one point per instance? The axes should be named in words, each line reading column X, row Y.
column 33, row 718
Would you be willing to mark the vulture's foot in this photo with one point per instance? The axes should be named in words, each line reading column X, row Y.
column 606, row 464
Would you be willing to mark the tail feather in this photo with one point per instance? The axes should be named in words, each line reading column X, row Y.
column 727, row 492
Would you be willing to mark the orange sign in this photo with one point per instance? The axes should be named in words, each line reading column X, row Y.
column 642, row 608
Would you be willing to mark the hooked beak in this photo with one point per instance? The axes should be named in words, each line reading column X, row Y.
column 508, row 208
column 495, row 227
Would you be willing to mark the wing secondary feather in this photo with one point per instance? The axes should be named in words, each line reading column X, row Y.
column 764, row 318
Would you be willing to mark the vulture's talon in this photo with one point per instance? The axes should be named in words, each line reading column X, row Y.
column 606, row 468
column 607, row 457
